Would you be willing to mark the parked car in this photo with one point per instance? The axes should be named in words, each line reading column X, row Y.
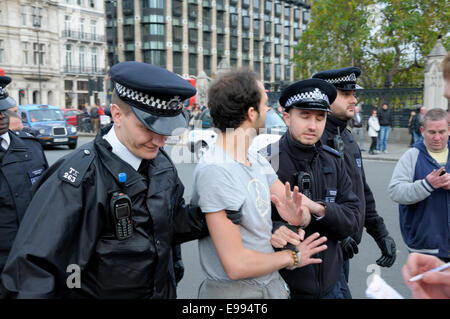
column 200, row 139
column 71, row 116
column 48, row 124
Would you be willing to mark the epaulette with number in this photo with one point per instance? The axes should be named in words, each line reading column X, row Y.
column 75, row 167
column 331, row 150
column 23, row 134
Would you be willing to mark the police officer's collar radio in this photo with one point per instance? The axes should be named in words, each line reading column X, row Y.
column 120, row 207
column 338, row 142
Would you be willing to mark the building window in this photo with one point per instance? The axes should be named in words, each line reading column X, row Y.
column 154, row 4
column 234, row 43
column 154, row 29
column 92, row 3
column 178, row 62
column 192, row 11
column 81, row 28
column 278, row 49
column 38, row 56
column 297, row 14
column 25, row 52
column 278, row 9
column 68, row 85
column 67, row 25
column 278, row 29
column 128, row 32
column 177, row 33
column 256, row 28
column 193, row 36
column 256, row 5
column 246, row 23
column 93, row 29
column 193, row 64
column 156, row 57
column 69, row 55
column 23, row 13
column 287, row 11
column 82, row 85
column 234, row 18
column 177, row 8
column 81, row 59
column 277, row 72
column 94, row 59
column 267, row 27
column 37, row 16
column 267, row 6
column 267, row 70
column 305, row 16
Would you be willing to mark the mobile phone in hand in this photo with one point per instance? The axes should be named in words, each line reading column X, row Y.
column 443, row 172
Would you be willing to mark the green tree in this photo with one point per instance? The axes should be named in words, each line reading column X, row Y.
column 388, row 39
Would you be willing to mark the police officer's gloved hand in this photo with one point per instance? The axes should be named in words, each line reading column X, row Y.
column 234, row 215
column 388, row 250
column 349, row 248
column 178, row 269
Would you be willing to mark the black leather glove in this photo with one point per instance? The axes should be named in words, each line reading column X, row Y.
column 234, row 215
column 388, row 250
column 178, row 268
column 349, row 248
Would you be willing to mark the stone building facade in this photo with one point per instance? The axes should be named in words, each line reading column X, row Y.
column 191, row 36
column 35, row 38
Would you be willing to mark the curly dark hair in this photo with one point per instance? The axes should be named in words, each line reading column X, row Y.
column 231, row 95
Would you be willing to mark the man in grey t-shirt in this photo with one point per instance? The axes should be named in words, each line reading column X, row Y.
column 238, row 260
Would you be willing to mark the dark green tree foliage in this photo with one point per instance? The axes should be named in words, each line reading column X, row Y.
column 388, row 39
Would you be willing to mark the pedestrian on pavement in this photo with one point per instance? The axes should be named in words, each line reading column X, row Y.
column 238, row 259
column 374, row 128
column 420, row 185
column 416, row 123
column 194, row 115
column 338, row 137
column 112, row 210
column 412, row 127
column 319, row 171
column 95, row 118
column 386, row 123
column 356, row 123
column 22, row 162
column 433, row 285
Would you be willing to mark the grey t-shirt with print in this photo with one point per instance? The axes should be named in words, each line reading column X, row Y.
column 222, row 183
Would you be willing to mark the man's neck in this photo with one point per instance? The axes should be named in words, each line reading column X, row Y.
column 236, row 143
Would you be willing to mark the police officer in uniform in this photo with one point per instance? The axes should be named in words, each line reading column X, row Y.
column 22, row 161
column 300, row 158
column 112, row 210
column 337, row 136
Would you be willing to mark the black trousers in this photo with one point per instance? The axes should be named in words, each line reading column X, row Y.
column 373, row 146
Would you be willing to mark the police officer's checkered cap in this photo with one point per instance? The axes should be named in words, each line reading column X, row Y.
column 339, row 76
column 307, row 92
column 151, row 88
column 152, row 103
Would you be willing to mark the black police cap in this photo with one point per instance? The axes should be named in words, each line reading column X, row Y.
column 343, row 79
column 6, row 101
column 155, row 95
column 311, row 94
